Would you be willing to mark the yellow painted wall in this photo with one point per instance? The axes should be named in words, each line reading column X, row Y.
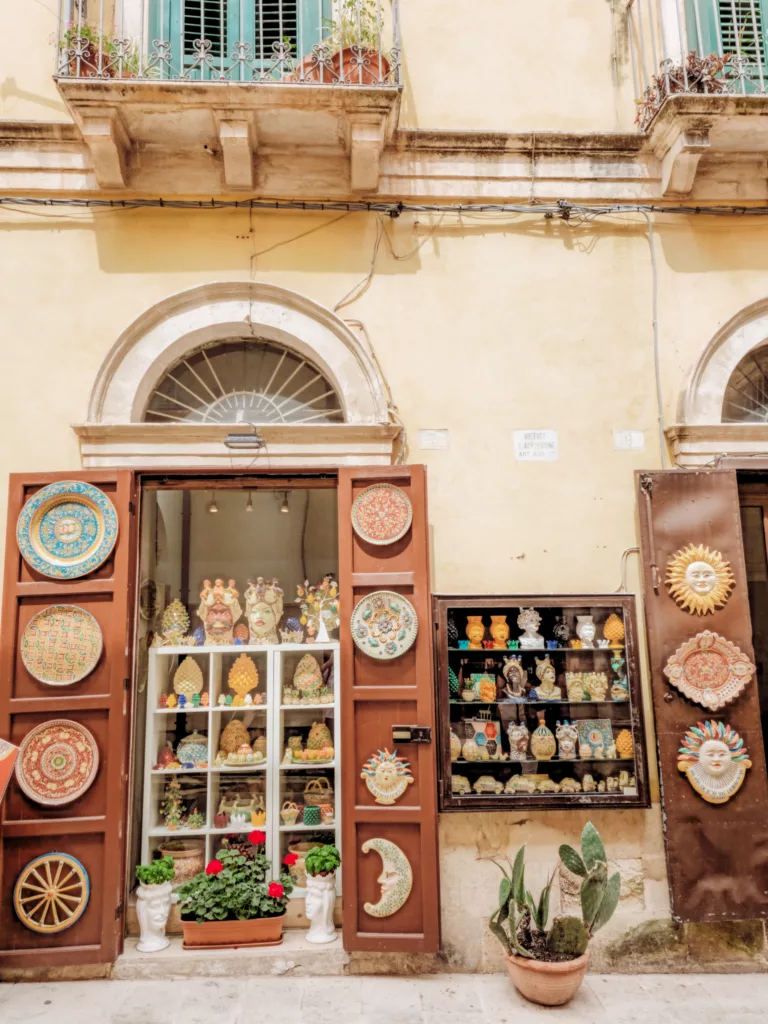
column 494, row 65
column 495, row 324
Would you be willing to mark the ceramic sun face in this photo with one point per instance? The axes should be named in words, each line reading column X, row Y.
column 714, row 760
column 699, row 580
column 387, row 776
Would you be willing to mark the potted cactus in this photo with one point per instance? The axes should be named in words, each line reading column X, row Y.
column 548, row 966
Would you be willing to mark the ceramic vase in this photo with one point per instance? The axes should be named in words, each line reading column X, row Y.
column 499, row 632
column 518, row 741
column 475, row 632
column 319, row 905
column 153, row 904
column 543, row 745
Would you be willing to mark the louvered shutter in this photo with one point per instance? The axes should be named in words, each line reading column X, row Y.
column 735, row 27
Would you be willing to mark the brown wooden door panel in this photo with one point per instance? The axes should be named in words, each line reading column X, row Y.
column 92, row 827
column 717, row 855
column 375, row 696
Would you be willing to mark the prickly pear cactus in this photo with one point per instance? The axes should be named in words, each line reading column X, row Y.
column 568, row 935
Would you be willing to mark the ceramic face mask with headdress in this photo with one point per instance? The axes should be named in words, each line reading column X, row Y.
column 219, row 610
column 263, row 610
column 714, row 760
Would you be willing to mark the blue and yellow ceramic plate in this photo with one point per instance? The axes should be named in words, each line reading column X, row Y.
column 67, row 529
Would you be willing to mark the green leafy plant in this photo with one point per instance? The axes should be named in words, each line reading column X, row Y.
column 322, row 860
column 90, row 41
column 520, row 921
column 356, row 23
column 157, row 872
column 233, row 887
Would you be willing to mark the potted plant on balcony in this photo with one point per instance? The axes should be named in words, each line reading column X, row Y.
column 321, row 863
column 548, row 967
column 355, row 36
column 89, row 53
column 231, row 903
column 153, row 903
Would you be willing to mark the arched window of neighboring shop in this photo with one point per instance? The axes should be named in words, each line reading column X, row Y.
column 244, row 381
column 746, row 394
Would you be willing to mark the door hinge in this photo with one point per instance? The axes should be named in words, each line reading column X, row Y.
column 119, row 910
column 132, row 508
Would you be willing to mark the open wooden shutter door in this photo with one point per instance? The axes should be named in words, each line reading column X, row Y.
column 376, row 695
column 717, row 854
column 90, row 828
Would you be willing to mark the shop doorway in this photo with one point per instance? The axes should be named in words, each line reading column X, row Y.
column 753, row 501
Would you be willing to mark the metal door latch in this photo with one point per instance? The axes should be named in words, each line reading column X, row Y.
column 411, row 733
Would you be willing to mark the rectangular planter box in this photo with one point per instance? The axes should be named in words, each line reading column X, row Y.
column 262, row 931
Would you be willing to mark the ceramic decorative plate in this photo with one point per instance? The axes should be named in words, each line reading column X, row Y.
column 57, row 762
column 61, row 645
column 710, row 670
column 384, row 625
column 51, row 893
column 67, row 529
column 382, row 514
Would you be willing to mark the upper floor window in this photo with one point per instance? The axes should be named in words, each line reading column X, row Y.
column 746, row 396
column 244, row 382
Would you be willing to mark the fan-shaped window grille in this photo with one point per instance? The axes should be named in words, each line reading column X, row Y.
column 746, row 396
column 244, row 382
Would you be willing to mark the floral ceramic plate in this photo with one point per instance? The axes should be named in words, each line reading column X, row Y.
column 61, row 645
column 57, row 762
column 382, row 514
column 384, row 625
column 710, row 670
column 67, row 529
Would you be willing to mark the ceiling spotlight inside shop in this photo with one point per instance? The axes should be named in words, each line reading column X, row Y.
column 212, row 506
column 284, row 507
column 249, row 503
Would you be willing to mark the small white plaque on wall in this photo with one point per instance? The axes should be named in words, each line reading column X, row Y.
column 432, row 440
column 629, row 440
column 536, row 445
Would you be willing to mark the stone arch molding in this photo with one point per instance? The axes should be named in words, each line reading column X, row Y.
column 700, row 437
column 114, row 433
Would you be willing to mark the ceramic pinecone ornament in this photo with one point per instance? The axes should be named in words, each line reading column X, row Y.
column 233, row 736
column 260, row 745
column 243, row 676
column 188, row 678
column 308, row 677
column 175, row 621
column 319, row 737
column 453, row 683
column 625, row 746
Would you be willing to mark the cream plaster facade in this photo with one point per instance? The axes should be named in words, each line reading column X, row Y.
column 482, row 324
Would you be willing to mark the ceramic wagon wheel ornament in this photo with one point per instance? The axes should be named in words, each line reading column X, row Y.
column 384, row 625
column 67, row 530
column 699, row 580
column 57, row 762
column 396, row 878
column 51, row 893
column 61, row 645
column 714, row 760
column 709, row 670
column 382, row 514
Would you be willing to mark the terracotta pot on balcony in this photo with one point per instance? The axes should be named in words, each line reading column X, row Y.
column 373, row 72
column 89, row 66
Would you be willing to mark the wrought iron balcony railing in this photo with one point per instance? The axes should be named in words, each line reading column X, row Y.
column 696, row 47
column 348, row 43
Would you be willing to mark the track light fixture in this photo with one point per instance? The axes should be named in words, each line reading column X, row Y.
column 249, row 503
column 212, row 506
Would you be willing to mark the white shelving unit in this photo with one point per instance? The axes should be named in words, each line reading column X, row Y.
column 276, row 665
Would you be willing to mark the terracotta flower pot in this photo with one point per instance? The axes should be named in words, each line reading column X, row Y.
column 261, row 931
column 344, row 63
column 550, row 984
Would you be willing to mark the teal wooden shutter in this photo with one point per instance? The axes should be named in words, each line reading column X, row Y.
column 730, row 26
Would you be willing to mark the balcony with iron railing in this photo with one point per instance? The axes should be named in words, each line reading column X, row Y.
column 231, row 77
column 700, row 76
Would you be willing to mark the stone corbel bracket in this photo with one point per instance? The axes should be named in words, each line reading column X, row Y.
column 105, row 135
column 367, row 137
column 237, row 137
column 679, row 144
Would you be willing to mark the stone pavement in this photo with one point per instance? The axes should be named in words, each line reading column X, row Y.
column 428, row 999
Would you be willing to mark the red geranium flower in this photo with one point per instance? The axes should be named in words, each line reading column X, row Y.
column 290, row 858
column 214, row 867
column 257, row 837
column 275, row 890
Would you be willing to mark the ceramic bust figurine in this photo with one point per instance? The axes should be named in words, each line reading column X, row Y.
column 263, row 610
column 219, row 609
column 567, row 740
column 320, row 901
column 546, row 674
column 500, row 632
column 714, row 760
column 518, row 741
column 515, row 676
column 529, row 621
column 585, row 630
column 153, row 904
column 475, row 632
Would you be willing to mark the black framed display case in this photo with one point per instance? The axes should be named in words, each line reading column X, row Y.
column 539, row 702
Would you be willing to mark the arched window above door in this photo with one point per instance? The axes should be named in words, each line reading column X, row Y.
column 746, row 395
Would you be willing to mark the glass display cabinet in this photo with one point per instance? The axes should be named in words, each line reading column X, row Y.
column 539, row 702
column 219, row 763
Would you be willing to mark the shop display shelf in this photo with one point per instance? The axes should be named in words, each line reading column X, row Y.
column 308, row 766
column 241, row 707
column 537, row 703
column 231, row 830
column 491, row 652
column 179, row 771
column 328, row 706
column 552, row 760
column 309, row 828
column 168, row 833
column 186, row 710
column 240, row 769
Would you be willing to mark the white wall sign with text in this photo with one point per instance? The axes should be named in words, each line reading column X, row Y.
column 536, row 445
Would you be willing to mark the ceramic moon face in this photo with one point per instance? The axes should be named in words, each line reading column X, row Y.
column 714, row 759
column 396, row 878
column 699, row 580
